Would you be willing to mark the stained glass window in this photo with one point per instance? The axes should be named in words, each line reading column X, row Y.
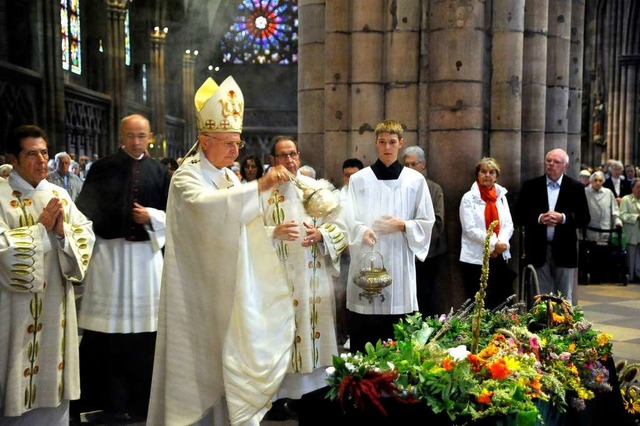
column 70, row 35
column 127, row 40
column 264, row 32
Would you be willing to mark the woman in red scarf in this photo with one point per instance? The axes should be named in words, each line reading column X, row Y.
column 482, row 204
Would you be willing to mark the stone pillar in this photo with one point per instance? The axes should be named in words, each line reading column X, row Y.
column 311, row 89
column 506, row 88
column 630, row 64
column 366, row 100
column 456, row 93
column 613, row 12
column 53, row 77
column 157, row 85
column 534, row 89
column 336, row 89
column 401, row 70
column 116, row 69
column 188, row 93
column 558, row 49
column 456, row 111
column 574, row 114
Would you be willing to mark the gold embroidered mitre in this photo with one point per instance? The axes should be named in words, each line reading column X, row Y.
column 219, row 108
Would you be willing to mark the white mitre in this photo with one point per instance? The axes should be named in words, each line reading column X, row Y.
column 219, row 108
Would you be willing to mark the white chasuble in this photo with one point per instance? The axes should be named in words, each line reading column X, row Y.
column 309, row 272
column 39, row 336
column 225, row 325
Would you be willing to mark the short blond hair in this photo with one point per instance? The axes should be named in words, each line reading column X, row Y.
column 488, row 162
column 389, row 126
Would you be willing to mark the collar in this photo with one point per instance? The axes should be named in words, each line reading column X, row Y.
column 383, row 172
column 16, row 181
column 215, row 175
column 559, row 180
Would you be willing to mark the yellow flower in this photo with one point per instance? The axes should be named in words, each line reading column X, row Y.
column 603, row 338
column 572, row 348
column 512, row 364
column 557, row 318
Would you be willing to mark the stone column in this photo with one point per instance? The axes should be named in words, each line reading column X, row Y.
column 188, row 93
column 630, row 64
column 401, row 69
column 574, row 113
column 311, row 72
column 366, row 100
column 456, row 94
column 53, row 77
column 612, row 49
column 116, row 69
column 157, row 85
column 506, row 88
column 456, row 58
column 557, row 101
column 336, row 89
column 534, row 89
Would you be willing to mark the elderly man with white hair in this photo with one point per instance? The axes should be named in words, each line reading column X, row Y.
column 62, row 175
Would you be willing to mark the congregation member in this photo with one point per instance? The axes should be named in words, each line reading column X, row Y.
column 630, row 172
column 45, row 248
column 171, row 164
column 616, row 182
column 630, row 215
column 63, row 177
column 483, row 204
column 125, row 195
column 225, row 329
column 251, row 168
column 308, row 171
column 309, row 249
column 603, row 209
column 552, row 208
column 389, row 208
column 427, row 271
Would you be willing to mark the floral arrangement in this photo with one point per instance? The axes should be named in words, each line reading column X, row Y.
column 517, row 359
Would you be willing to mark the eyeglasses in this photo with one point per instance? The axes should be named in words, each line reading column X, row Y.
column 292, row 155
column 227, row 143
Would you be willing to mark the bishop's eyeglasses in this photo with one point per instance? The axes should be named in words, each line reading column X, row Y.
column 227, row 143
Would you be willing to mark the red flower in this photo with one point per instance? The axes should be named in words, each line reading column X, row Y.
column 476, row 362
column 370, row 389
column 499, row 369
column 448, row 364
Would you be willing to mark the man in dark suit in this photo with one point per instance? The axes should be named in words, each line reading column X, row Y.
column 552, row 208
column 616, row 182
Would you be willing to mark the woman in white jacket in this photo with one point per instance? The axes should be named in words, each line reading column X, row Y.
column 481, row 205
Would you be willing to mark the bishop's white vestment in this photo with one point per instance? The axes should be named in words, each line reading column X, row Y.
column 39, row 334
column 225, row 326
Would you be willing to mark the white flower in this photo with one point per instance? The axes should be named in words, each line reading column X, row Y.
column 344, row 356
column 330, row 371
column 350, row 367
column 459, row 353
column 391, row 366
